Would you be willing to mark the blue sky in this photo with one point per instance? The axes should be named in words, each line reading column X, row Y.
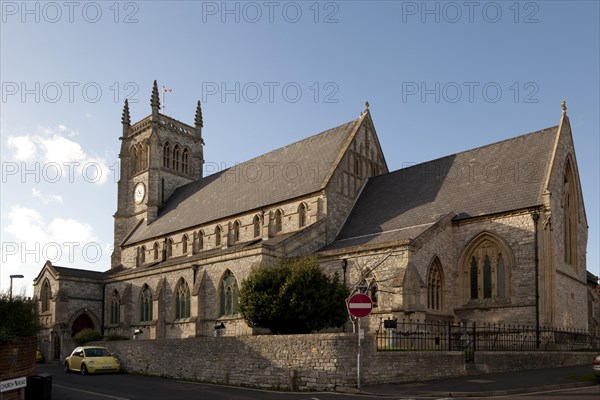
column 440, row 77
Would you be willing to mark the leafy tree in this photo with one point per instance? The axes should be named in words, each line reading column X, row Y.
column 18, row 318
column 293, row 296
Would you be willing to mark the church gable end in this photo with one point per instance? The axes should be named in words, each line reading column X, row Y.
column 360, row 159
column 564, row 234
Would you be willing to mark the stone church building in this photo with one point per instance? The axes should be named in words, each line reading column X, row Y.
column 463, row 237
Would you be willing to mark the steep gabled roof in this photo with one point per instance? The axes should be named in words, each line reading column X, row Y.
column 292, row 171
column 78, row 273
column 58, row 272
column 503, row 176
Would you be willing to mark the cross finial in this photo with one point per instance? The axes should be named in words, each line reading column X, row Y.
column 125, row 117
column 198, row 118
column 154, row 100
column 564, row 106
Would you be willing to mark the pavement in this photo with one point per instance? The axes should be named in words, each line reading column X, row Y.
column 492, row 384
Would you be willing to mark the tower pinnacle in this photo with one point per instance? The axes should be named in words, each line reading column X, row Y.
column 126, row 118
column 155, row 101
column 198, row 118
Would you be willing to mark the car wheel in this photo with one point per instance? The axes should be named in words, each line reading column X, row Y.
column 84, row 370
column 66, row 367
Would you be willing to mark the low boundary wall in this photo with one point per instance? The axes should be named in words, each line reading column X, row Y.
column 311, row 362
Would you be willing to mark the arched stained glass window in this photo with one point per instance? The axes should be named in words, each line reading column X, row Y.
column 115, row 312
column 146, row 304
column 229, row 295
column 182, row 300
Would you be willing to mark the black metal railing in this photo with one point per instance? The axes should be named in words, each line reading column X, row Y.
column 406, row 335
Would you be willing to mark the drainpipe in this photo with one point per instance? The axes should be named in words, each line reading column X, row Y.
column 536, row 216
column 344, row 266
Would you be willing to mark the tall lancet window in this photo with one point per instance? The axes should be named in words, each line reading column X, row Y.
column 115, row 304
column 185, row 161
column 167, row 155
column 570, row 218
column 182, row 300
column 435, row 286
column 256, row 226
column 176, row 158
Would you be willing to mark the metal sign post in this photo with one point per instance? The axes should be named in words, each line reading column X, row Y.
column 358, row 354
column 359, row 305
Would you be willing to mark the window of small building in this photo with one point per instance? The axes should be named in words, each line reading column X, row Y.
column 46, row 295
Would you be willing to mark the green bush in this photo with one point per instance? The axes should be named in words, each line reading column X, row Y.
column 18, row 318
column 294, row 296
column 86, row 335
column 116, row 336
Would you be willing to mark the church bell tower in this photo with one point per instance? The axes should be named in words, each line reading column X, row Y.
column 158, row 154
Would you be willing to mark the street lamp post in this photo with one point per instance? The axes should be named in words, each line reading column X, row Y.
column 11, row 278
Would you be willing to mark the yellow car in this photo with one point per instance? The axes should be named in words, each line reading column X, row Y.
column 91, row 359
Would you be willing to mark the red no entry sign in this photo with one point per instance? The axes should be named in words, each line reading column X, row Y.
column 359, row 305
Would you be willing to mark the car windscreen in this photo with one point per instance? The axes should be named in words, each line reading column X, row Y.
column 97, row 352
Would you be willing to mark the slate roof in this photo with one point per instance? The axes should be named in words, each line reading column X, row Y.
column 291, row 171
column 503, row 176
column 78, row 273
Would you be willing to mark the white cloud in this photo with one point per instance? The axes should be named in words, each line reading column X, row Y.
column 23, row 148
column 61, row 240
column 53, row 145
column 46, row 199
column 29, row 240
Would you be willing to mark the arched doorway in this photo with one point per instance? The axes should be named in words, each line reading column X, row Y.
column 82, row 322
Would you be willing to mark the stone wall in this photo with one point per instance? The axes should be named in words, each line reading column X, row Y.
column 311, row 362
column 288, row 362
column 17, row 360
column 500, row 361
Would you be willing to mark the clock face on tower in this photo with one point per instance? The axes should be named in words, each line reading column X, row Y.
column 139, row 192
